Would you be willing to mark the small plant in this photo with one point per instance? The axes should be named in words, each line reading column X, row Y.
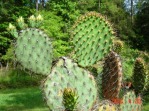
column 20, row 22
column 12, row 30
column 118, row 46
column 70, row 99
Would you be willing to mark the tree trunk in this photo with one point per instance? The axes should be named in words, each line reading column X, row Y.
column 99, row 5
column 36, row 5
column 42, row 2
column 131, row 11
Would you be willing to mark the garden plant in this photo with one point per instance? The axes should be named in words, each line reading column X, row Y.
column 68, row 85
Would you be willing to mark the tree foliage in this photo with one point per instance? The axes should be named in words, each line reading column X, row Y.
column 142, row 25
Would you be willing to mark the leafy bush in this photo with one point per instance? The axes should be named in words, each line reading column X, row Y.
column 55, row 28
column 15, row 78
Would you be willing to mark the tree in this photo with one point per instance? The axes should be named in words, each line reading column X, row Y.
column 142, row 25
column 9, row 11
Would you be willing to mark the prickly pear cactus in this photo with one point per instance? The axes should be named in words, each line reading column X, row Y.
column 105, row 105
column 66, row 74
column 130, row 102
column 112, row 76
column 92, row 38
column 139, row 75
column 118, row 46
column 34, row 51
column 70, row 99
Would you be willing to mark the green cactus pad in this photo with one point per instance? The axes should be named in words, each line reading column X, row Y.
column 34, row 51
column 105, row 105
column 92, row 38
column 139, row 75
column 66, row 74
column 112, row 76
column 130, row 102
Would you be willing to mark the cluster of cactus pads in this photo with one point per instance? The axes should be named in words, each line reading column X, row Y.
column 68, row 86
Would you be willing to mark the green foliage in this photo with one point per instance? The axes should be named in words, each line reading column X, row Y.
column 139, row 75
column 9, row 11
column 15, row 78
column 86, row 5
column 116, row 13
column 112, row 76
column 55, row 28
column 142, row 25
column 12, row 30
column 128, row 56
column 67, row 74
column 67, row 9
column 9, row 54
column 70, row 99
column 92, row 38
column 22, row 99
column 34, row 51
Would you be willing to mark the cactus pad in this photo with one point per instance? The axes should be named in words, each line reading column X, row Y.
column 139, row 75
column 105, row 105
column 34, row 51
column 112, row 76
column 66, row 74
column 92, row 38
column 130, row 102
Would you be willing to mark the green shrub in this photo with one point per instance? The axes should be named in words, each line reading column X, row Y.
column 55, row 28
column 15, row 78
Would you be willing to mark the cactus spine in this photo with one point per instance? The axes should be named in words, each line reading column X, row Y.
column 70, row 99
column 130, row 102
column 92, row 38
column 66, row 74
column 112, row 76
column 34, row 51
column 139, row 75
column 118, row 46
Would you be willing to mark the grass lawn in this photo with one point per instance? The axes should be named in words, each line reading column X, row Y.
column 146, row 103
column 30, row 99
column 25, row 99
